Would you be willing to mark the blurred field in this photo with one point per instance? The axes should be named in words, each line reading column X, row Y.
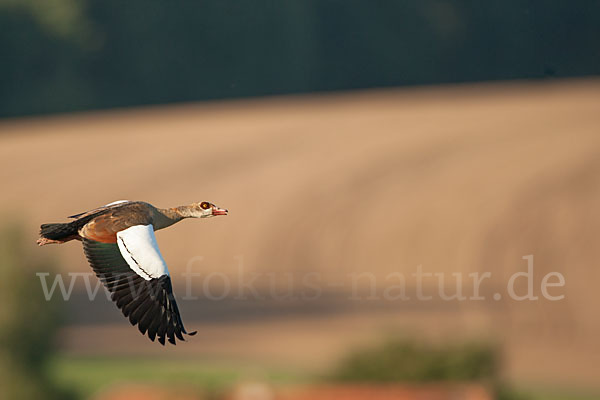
column 90, row 375
column 456, row 179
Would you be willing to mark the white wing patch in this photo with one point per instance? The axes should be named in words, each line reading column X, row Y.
column 139, row 248
column 116, row 202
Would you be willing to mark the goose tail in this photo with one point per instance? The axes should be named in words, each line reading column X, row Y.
column 56, row 233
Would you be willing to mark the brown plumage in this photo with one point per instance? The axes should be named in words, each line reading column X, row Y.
column 119, row 243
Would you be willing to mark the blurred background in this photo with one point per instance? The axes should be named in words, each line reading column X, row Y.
column 354, row 143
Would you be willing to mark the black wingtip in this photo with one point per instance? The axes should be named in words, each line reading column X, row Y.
column 192, row 333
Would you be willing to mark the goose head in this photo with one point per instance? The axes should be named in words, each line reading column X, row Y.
column 206, row 209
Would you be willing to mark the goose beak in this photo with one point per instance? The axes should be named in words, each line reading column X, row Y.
column 219, row 211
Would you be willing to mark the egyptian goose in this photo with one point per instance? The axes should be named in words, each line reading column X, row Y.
column 119, row 243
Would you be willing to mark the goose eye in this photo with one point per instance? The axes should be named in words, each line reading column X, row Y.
column 204, row 205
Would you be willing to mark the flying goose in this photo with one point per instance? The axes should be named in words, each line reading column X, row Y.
column 119, row 243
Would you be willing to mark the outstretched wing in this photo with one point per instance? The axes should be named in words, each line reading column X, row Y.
column 137, row 277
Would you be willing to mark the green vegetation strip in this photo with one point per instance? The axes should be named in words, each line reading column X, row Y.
column 88, row 375
column 546, row 394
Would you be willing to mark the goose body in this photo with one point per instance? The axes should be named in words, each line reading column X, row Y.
column 119, row 243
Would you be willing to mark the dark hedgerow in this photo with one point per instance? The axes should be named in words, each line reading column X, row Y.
column 406, row 361
column 412, row 362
